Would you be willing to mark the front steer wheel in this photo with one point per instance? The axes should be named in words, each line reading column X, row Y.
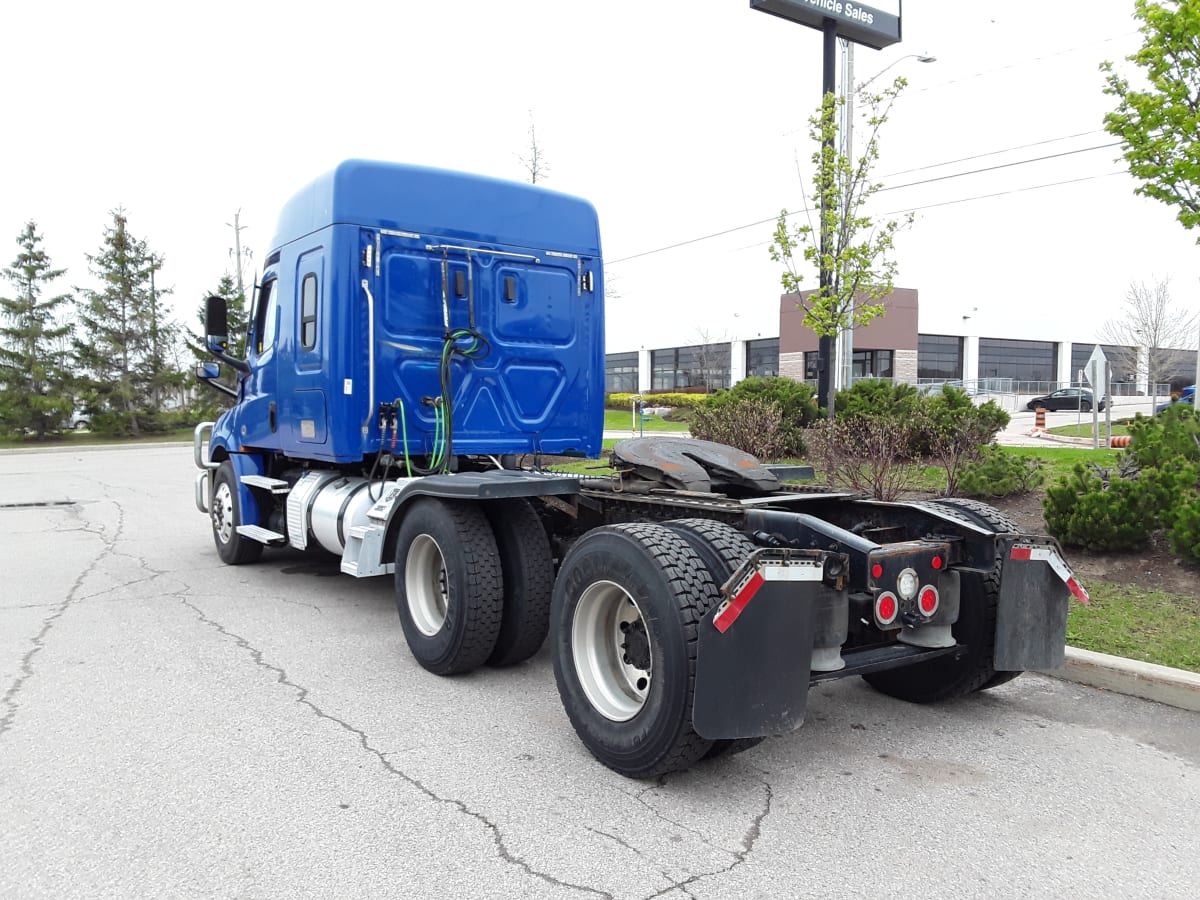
column 225, row 511
column 448, row 585
column 627, row 605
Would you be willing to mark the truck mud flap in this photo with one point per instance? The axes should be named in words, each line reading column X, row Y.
column 754, row 659
column 1031, row 613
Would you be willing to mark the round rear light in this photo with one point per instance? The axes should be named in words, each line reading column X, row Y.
column 906, row 584
column 937, row 563
column 876, row 570
column 886, row 608
column 929, row 601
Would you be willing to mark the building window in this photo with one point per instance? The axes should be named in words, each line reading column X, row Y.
column 762, row 358
column 621, row 373
column 308, row 312
column 1022, row 361
column 698, row 367
column 811, row 357
column 872, row 364
column 1123, row 359
column 939, row 357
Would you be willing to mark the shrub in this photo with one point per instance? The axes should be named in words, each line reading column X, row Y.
column 999, row 474
column 795, row 400
column 954, row 431
column 1184, row 533
column 622, row 401
column 1172, row 434
column 874, row 397
column 750, row 424
column 866, row 454
column 1093, row 510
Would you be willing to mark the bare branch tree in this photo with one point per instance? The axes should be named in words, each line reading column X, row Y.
column 712, row 358
column 535, row 163
column 1153, row 324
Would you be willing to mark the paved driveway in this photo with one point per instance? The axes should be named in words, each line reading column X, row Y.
column 172, row 727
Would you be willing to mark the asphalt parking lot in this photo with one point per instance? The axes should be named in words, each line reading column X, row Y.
column 173, row 727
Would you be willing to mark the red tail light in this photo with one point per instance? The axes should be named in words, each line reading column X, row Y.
column 928, row 601
column 886, row 608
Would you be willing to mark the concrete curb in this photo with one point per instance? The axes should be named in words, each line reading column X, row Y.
column 1162, row 684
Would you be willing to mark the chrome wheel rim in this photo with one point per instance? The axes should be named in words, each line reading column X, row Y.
column 222, row 512
column 425, row 585
column 611, row 651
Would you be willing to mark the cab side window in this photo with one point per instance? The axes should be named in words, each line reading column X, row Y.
column 264, row 320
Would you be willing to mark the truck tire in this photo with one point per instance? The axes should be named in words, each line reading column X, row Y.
column 947, row 677
column 448, row 587
column 527, row 567
column 723, row 549
column 627, row 603
column 225, row 511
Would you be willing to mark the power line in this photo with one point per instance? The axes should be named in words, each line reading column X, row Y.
column 950, row 162
column 1034, row 187
column 1019, row 162
column 775, row 218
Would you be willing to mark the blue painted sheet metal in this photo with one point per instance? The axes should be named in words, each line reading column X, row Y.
column 437, row 201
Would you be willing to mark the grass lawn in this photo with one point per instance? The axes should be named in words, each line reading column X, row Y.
column 1060, row 461
column 618, row 420
column 1146, row 625
column 1086, row 430
column 85, row 438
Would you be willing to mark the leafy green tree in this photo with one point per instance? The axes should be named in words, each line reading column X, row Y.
column 124, row 343
column 34, row 352
column 1157, row 122
column 857, row 252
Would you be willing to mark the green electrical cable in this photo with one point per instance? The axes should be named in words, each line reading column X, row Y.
column 404, row 430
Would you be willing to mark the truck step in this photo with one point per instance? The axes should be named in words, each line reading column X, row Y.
column 274, row 485
column 262, row 535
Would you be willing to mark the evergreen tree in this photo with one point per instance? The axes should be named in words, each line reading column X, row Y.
column 210, row 401
column 34, row 355
column 125, row 339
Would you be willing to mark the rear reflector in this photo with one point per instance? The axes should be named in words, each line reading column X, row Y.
column 1056, row 562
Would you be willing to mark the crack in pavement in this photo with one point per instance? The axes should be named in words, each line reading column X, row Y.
column 302, row 698
column 635, row 851
column 25, row 671
column 749, row 839
column 659, row 784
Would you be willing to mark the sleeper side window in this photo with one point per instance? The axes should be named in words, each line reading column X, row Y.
column 308, row 312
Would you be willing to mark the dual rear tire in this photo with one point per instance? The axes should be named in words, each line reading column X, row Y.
column 476, row 586
column 473, row 583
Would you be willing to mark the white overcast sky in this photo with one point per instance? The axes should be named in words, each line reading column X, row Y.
column 678, row 120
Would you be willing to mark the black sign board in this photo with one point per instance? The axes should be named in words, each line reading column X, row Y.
column 855, row 21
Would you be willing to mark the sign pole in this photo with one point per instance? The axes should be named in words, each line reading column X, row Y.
column 825, row 343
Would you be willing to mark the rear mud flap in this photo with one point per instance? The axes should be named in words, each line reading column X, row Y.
column 1031, row 613
column 754, row 659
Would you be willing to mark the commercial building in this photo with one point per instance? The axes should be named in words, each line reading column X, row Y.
column 894, row 347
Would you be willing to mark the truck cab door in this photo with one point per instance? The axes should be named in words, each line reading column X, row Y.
column 258, row 419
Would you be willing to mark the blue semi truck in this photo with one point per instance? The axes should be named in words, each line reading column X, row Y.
column 422, row 343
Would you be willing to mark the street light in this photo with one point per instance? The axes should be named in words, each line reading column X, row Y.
column 845, row 345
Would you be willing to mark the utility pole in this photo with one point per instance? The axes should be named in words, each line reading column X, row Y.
column 237, row 253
